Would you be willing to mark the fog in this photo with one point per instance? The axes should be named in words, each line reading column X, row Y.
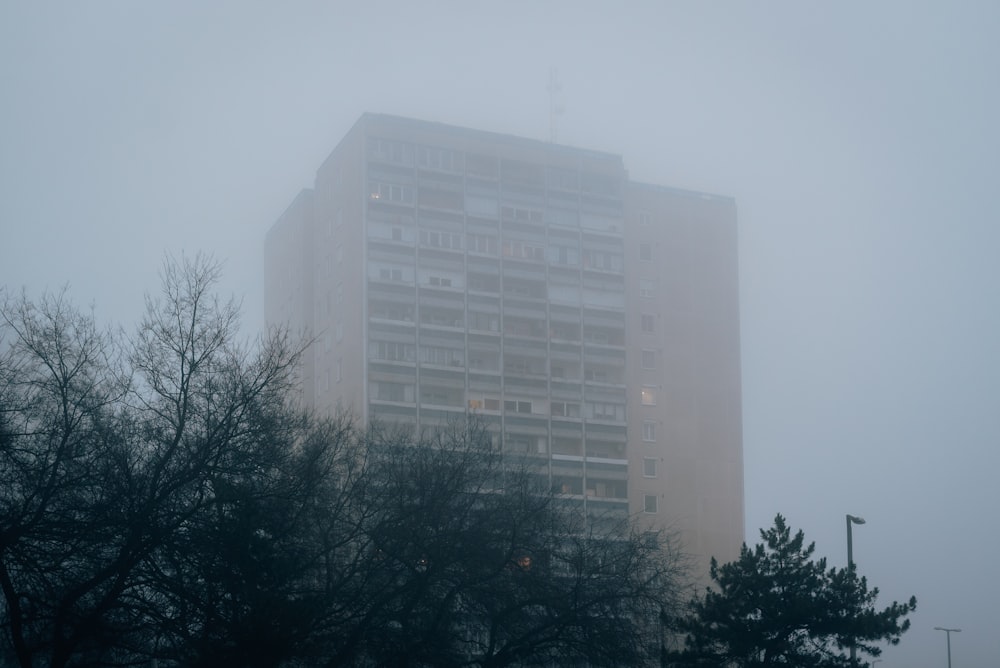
column 860, row 141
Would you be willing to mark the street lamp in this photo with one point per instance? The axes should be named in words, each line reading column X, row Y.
column 948, row 632
column 851, row 519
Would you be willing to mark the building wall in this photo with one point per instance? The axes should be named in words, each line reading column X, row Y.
column 289, row 266
column 454, row 270
column 684, row 310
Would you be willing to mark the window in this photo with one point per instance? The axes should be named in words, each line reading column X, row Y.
column 602, row 410
column 392, row 192
column 442, row 356
column 517, row 406
column 517, row 443
column 486, row 322
column 481, row 283
column 340, row 292
column 438, row 158
column 390, row 151
column 564, row 255
column 390, row 311
column 649, row 467
column 648, row 359
column 485, row 404
column 523, row 250
column 384, row 391
column 645, row 218
column 649, row 396
column 390, row 274
column 340, row 370
column 649, row 431
column 392, row 351
column 565, row 409
column 436, row 239
column 521, row 214
column 482, row 243
column 649, row 503
column 340, row 332
column 645, row 251
column 646, row 288
column 648, row 323
column 603, row 260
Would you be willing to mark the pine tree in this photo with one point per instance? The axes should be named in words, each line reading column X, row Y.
column 778, row 606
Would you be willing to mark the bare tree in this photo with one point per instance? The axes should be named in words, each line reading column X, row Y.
column 161, row 497
column 104, row 465
column 473, row 562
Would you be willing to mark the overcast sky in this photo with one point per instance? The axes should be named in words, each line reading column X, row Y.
column 860, row 140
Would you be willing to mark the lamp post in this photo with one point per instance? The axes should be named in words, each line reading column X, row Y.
column 948, row 632
column 851, row 519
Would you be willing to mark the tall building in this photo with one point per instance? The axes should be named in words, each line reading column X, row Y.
column 592, row 321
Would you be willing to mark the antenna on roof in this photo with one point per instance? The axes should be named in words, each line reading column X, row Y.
column 556, row 107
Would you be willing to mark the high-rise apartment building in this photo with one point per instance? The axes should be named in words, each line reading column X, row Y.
column 592, row 321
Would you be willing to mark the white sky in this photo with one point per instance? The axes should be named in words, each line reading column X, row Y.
column 860, row 140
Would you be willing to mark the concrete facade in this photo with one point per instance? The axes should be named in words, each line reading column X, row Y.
column 592, row 321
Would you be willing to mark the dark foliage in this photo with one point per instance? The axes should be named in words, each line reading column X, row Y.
column 777, row 606
column 161, row 498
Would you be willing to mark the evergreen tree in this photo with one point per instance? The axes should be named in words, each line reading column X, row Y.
column 777, row 606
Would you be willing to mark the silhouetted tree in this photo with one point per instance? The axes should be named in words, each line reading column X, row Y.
column 776, row 606
column 474, row 562
column 111, row 447
column 161, row 497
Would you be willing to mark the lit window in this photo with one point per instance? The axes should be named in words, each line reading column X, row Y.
column 649, row 503
column 648, row 359
column 648, row 396
column 649, row 431
column 649, row 467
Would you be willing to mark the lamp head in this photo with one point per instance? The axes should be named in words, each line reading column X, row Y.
column 855, row 520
